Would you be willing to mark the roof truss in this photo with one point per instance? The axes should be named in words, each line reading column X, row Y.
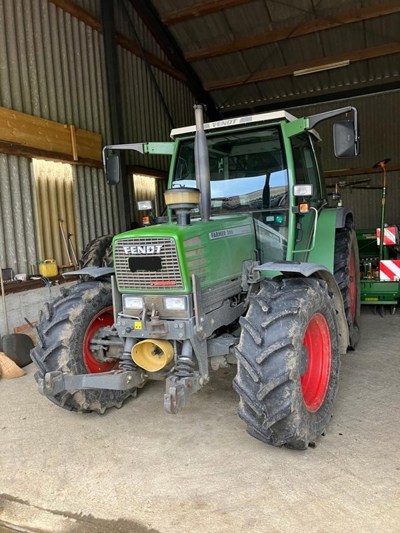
column 347, row 17
column 287, row 70
column 200, row 10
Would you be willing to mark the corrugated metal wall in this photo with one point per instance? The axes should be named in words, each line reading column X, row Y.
column 55, row 210
column 149, row 188
column 17, row 234
column 379, row 139
column 145, row 189
column 161, row 186
column 52, row 66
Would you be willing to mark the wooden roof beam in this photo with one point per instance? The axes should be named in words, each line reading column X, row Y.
column 84, row 16
column 252, row 41
column 343, row 172
column 287, row 70
column 200, row 10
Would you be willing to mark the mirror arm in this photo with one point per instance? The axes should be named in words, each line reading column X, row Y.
column 315, row 119
column 137, row 147
column 319, row 117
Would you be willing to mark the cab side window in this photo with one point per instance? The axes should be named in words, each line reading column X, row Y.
column 305, row 165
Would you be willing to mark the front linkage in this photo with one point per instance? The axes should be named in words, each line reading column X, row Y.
column 177, row 351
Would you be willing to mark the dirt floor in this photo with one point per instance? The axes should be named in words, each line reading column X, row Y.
column 138, row 469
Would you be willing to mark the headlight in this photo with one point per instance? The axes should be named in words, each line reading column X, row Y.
column 175, row 303
column 133, row 302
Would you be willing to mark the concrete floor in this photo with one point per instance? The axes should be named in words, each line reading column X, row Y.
column 138, row 469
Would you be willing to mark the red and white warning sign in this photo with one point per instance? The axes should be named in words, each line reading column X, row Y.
column 390, row 236
column 389, row 270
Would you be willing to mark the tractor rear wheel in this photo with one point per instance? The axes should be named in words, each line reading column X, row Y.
column 97, row 253
column 347, row 275
column 66, row 329
column 288, row 362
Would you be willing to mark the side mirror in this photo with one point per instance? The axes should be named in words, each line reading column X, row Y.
column 345, row 141
column 113, row 169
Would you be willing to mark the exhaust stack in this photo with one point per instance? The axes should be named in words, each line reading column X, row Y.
column 202, row 164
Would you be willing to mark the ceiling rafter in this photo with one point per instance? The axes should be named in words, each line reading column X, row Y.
column 287, row 70
column 312, row 26
column 167, row 42
column 200, row 10
column 301, row 99
column 81, row 14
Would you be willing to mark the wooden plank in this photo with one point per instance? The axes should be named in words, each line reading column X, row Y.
column 78, row 12
column 25, row 151
column 33, row 131
column 200, row 10
column 89, row 145
column 31, row 136
column 287, row 70
column 348, row 17
column 146, row 171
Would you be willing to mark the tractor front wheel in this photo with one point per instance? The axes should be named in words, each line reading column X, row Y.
column 288, row 362
column 70, row 333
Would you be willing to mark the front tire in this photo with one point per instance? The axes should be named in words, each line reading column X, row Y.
column 65, row 330
column 288, row 362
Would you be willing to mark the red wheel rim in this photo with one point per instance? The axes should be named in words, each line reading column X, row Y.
column 352, row 287
column 102, row 319
column 315, row 380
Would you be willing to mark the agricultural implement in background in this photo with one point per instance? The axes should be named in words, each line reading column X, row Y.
column 380, row 259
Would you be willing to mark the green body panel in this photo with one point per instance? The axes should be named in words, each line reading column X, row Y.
column 291, row 178
column 374, row 292
column 162, row 148
column 368, row 246
column 215, row 253
column 380, row 292
column 213, row 250
column 294, row 127
column 323, row 252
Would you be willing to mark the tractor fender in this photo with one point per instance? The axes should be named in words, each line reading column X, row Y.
column 307, row 270
column 344, row 217
column 329, row 221
column 92, row 272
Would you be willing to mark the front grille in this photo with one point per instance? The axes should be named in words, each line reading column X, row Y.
column 169, row 277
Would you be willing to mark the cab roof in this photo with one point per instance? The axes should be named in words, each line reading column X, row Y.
column 237, row 121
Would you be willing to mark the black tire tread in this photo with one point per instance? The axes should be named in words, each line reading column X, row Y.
column 97, row 253
column 61, row 331
column 345, row 244
column 268, row 377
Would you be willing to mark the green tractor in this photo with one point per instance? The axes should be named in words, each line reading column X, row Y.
column 252, row 268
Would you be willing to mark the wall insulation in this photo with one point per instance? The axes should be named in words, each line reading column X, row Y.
column 53, row 66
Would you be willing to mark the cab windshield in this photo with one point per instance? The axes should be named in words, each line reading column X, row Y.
column 247, row 171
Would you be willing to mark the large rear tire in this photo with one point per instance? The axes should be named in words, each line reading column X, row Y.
column 97, row 253
column 65, row 330
column 288, row 362
column 347, row 275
